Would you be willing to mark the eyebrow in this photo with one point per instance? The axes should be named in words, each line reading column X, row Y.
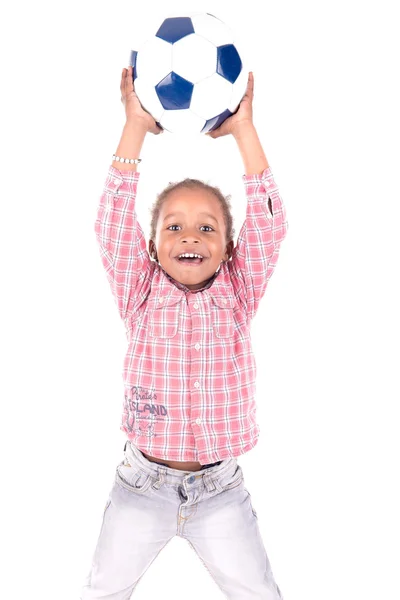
column 180, row 213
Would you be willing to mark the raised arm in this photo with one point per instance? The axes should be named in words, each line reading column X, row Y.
column 120, row 237
column 256, row 252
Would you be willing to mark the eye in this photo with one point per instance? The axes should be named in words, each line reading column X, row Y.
column 209, row 228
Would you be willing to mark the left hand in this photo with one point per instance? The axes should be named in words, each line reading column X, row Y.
column 243, row 117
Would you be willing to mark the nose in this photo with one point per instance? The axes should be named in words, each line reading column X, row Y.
column 189, row 238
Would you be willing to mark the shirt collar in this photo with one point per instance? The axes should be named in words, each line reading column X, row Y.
column 183, row 287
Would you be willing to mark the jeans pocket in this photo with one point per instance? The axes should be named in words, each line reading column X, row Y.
column 133, row 478
column 233, row 481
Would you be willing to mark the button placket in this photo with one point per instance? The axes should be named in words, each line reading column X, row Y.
column 196, row 370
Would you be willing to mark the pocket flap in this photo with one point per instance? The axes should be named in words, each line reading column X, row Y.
column 224, row 301
column 161, row 301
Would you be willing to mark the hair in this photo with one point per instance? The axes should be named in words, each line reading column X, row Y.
column 193, row 184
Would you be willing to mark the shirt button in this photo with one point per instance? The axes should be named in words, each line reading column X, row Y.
column 161, row 299
column 116, row 181
column 267, row 183
column 224, row 300
column 197, row 346
column 196, row 384
column 195, row 305
column 198, row 421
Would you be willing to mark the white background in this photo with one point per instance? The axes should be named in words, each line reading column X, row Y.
column 324, row 476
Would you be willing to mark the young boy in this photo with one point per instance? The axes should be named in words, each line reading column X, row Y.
column 189, row 372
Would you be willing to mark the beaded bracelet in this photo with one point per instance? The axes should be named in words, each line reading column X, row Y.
column 132, row 161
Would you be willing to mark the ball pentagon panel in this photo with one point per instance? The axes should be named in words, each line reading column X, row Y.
column 216, row 121
column 175, row 28
column 229, row 64
column 174, row 92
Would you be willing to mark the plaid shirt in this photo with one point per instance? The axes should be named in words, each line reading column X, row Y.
column 189, row 371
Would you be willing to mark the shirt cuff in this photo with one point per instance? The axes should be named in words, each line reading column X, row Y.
column 122, row 181
column 258, row 176
column 260, row 183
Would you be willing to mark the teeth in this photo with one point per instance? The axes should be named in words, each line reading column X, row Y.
column 187, row 255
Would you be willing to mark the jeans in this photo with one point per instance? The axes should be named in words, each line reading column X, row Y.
column 150, row 503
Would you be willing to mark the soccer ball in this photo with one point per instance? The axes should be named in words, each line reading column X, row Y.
column 189, row 76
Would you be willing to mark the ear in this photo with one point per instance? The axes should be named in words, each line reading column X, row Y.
column 228, row 250
column 152, row 250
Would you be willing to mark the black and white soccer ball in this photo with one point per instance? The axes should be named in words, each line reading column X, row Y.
column 189, row 76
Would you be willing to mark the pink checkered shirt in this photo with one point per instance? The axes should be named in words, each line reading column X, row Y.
column 189, row 371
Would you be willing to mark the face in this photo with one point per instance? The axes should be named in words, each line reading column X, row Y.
column 191, row 221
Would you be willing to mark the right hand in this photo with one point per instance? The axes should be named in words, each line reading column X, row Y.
column 133, row 109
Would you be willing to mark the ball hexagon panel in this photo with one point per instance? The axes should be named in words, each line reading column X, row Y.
column 194, row 58
column 182, row 122
column 211, row 96
column 154, row 60
column 175, row 29
column 212, row 29
column 174, row 92
column 238, row 91
column 229, row 64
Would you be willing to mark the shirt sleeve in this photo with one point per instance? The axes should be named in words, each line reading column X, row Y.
column 256, row 253
column 122, row 242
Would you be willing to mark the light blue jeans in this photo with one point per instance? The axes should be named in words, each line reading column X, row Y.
column 150, row 503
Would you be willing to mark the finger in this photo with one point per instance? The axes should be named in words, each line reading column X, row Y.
column 130, row 78
column 127, row 80
column 156, row 130
column 121, row 87
column 250, row 84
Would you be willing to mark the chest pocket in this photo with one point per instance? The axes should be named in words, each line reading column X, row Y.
column 222, row 316
column 164, row 318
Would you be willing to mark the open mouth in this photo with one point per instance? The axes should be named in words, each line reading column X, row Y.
column 193, row 261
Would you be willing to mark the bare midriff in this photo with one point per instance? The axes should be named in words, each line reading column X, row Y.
column 182, row 466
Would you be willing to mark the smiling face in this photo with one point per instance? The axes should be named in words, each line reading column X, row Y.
column 192, row 221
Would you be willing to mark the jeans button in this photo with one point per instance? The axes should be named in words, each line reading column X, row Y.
column 191, row 479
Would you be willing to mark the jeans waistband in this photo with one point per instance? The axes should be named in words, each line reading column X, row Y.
column 135, row 456
column 164, row 465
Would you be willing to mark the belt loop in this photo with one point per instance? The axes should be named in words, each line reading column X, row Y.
column 162, row 471
column 208, row 481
